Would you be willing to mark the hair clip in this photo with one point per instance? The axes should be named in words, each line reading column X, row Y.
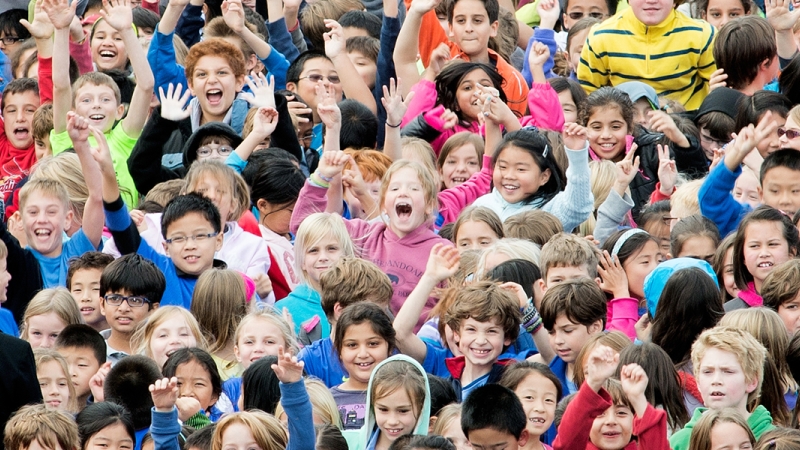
column 530, row 128
column 546, row 149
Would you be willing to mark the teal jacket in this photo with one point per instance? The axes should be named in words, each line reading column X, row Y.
column 760, row 422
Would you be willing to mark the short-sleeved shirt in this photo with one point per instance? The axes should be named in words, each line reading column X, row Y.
column 352, row 406
column 54, row 270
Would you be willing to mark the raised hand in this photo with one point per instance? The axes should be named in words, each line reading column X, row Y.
column 118, row 14
column 779, row 16
column 352, row 178
column 41, row 28
column 574, row 136
column 600, row 366
column 394, row 103
column 262, row 91
column 332, row 163
column 77, row 127
column 289, row 369
column 439, row 57
column 615, row 281
column 297, row 109
column 634, row 382
column 548, row 10
column 717, row 80
column 662, row 122
column 667, row 171
column 449, row 119
column 164, row 393
column 187, row 407
column 98, row 380
column 421, row 7
column 643, row 327
column 493, row 109
column 627, row 169
column 443, row 262
column 517, row 291
column 265, row 122
column 334, row 39
column 233, row 15
column 263, row 285
column 539, row 52
column 327, row 109
column 102, row 153
column 747, row 139
column 174, row 106
column 60, row 12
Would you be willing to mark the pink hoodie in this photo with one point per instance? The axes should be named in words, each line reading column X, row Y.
column 402, row 259
column 452, row 201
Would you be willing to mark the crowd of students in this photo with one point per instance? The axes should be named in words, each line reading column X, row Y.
column 423, row 224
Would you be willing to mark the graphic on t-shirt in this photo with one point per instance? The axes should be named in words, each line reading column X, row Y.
column 352, row 415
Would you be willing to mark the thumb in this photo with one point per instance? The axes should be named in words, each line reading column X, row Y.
column 26, row 24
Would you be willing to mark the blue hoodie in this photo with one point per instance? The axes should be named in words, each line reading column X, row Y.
column 655, row 281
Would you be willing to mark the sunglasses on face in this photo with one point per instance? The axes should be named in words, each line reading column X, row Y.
column 316, row 78
column 579, row 15
column 790, row 134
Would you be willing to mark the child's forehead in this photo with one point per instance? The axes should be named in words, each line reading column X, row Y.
column 41, row 199
column 488, row 323
column 212, row 62
column 189, row 222
column 94, row 89
column 715, row 356
column 469, row 7
column 781, row 175
column 318, row 64
column 88, row 272
column 77, row 351
column 24, row 98
column 215, row 139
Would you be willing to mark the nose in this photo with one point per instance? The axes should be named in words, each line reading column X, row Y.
column 362, row 351
column 480, row 338
column 48, row 342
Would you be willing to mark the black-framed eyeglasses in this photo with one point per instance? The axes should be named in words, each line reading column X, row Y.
column 136, row 301
column 206, row 151
column 11, row 40
column 316, row 78
column 790, row 134
column 593, row 15
column 182, row 240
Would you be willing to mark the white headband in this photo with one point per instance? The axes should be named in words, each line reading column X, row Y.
column 624, row 238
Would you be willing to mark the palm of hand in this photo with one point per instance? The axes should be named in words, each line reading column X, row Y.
column 60, row 14
column 120, row 17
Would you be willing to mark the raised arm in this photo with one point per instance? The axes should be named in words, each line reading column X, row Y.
column 169, row 20
column 331, row 116
column 396, row 108
column 407, row 47
column 93, row 217
column 60, row 14
column 353, row 85
column 276, row 64
column 41, row 31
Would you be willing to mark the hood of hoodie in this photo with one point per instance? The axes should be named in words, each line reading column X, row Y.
column 655, row 281
column 760, row 422
column 209, row 129
column 424, row 418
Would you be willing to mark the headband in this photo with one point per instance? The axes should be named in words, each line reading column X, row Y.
column 624, row 238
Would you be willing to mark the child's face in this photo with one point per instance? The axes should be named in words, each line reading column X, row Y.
column 727, row 274
column 517, row 176
column 467, row 91
column 698, row 247
column 459, row 165
column 562, row 274
column 567, row 338
column 238, row 436
column 194, row 381
column 42, row 148
column 491, row 439
column 790, row 314
column 641, row 108
column 729, row 435
column 172, row 334
column 108, row 50
column 607, row 129
column 773, row 142
column 99, row 105
column 124, row 319
column 193, row 256
column 43, row 329
column 5, row 277
column 481, row 342
column 366, row 67
column 790, row 125
column 276, row 217
column 612, row 429
column 362, row 350
column 721, row 380
column 709, row 143
column 82, row 367
column 356, row 210
column 111, row 437
column 720, row 12
column 568, row 105
column 651, row 12
column 220, row 194
column 455, row 434
column 747, row 190
column 639, row 265
column 54, row 384
column 215, row 85
column 321, row 256
column 405, row 202
column 85, row 289
column 18, row 115
column 475, row 235
column 577, row 10
column 306, row 88
column 780, row 189
column 258, row 338
column 539, row 398
column 471, row 28
column 764, row 249
column 216, row 148
column 659, row 230
column 395, row 415
column 574, row 51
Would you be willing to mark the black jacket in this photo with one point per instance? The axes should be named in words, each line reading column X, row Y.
column 18, row 385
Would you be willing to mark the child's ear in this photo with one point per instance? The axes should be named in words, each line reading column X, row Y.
column 544, row 177
column 68, row 219
column 166, row 248
column 153, row 307
column 239, row 83
column 495, row 25
column 542, row 285
column 218, row 243
column 236, row 353
column 189, row 83
column 751, row 385
column 669, row 255
column 291, row 86
column 596, row 327
column 337, row 310
column 120, row 111
column 523, row 438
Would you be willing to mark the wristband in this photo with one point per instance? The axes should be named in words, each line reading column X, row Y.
column 315, row 179
column 392, row 126
column 323, row 177
column 531, row 320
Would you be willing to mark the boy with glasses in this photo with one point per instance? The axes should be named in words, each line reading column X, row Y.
column 12, row 33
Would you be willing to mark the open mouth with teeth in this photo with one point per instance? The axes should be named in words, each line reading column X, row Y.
column 86, row 310
column 42, row 233
column 403, row 210
column 536, row 420
column 97, row 117
column 214, row 96
column 765, row 264
column 717, row 395
column 107, row 54
column 611, row 434
column 458, row 180
column 364, row 366
column 21, row 133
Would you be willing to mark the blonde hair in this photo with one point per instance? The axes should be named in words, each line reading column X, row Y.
column 45, row 187
column 65, row 168
column 268, row 314
column 54, row 300
column 399, row 374
column 513, row 248
column 323, row 404
column 219, row 302
column 51, row 428
column 419, row 150
column 568, row 250
column 45, row 355
column 165, row 191
column 225, row 176
column 267, row 431
column 315, row 228
column 701, row 435
column 603, row 177
column 478, row 214
column 533, row 225
column 426, row 178
column 684, row 202
column 748, row 351
column 446, row 416
column 616, row 340
column 140, row 342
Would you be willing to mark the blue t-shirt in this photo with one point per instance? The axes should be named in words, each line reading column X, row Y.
column 321, row 361
column 476, row 383
column 7, row 323
column 54, row 270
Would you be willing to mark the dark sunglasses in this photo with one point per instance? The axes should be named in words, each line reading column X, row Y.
column 790, row 134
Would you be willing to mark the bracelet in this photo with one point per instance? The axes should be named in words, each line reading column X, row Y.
column 531, row 319
column 323, row 177
column 393, row 126
column 315, row 179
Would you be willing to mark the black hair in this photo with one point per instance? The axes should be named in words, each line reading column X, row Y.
column 492, row 10
column 330, row 438
column 763, row 213
column 266, row 155
column 135, row 275
column 87, row 261
column 520, row 271
column 494, row 407
column 787, row 158
column 257, row 20
column 260, row 386
column 278, row 182
column 199, row 356
column 654, row 211
column 214, row 9
column 128, row 384
column 442, row 393
column 682, row 314
column 10, row 26
column 450, row 78
column 562, row 407
column 611, row 4
column 144, row 18
column 296, row 67
column 607, row 97
column 750, row 108
column 359, row 126
column 83, row 336
column 150, row 207
column 201, row 439
column 363, row 20
column 365, row 312
column 19, row 86
column 634, row 244
column 402, row 442
column 561, row 84
column 789, row 80
column 182, row 205
column 124, row 83
column 431, row 441
column 718, row 124
column 538, row 147
column 97, row 416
